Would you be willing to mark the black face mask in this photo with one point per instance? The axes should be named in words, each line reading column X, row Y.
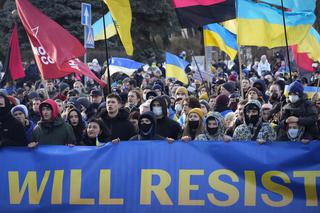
column 145, row 128
column 193, row 124
column 212, row 131
column 274, row 97
column 253, row 119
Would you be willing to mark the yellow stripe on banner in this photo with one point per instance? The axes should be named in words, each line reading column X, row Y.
column 261, row 33
column 231, row 25
column 215, row 40
column 110, row 31
column 173, row 71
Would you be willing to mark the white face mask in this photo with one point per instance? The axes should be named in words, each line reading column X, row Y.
column 178, row 108
column 293, row 133
column 293, row 98
column 157, row 111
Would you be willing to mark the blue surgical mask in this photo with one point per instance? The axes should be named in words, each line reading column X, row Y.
column 293, row 133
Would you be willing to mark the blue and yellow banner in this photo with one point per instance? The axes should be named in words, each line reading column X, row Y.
column 124, row 65
column 175, row 68
column 98, row 31
column 308, row 90
column 217, row 36
column 160, row 177
column 311, row 45
column 260, row 24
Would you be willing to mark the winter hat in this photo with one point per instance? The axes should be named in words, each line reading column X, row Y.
column 230, row 87
column 198, row 111
column 296, row 88
column 203, row 102
column 253, row 105
column 232, row 78
column 84, row 102
column 204, row 97
column 75, row 103
column 182, row 90
column 33, row 95
column 151, row 93
column 21, row 108
column 222, row 100
column 63, row 86
column 157, row 86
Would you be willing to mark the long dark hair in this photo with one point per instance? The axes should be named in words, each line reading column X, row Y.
column 103, row 137
column 79, row 129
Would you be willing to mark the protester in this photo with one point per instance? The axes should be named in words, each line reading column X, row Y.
column 117, row 119
column 52, row 129
column 254, row 128
column 96, row 133
column 11, row 130
column 74, row 118
column 194, row 125
column 20, row 112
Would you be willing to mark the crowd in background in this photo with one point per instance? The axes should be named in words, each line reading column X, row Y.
column 149, row 106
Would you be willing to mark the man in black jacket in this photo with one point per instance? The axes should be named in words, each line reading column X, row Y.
column 116, row 119
column 11, row 130
column 165, row 126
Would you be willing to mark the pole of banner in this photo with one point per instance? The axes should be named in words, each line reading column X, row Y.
column 286, row 37
column 208, row 59
column 195, row 61
column 106, row 45
column 85, row 60
column 240, row 72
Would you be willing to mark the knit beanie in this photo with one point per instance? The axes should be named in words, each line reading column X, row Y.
column 222, row 100
column 63, row 86
column 84, row 102
column 198, row 111
column 182, row 90
column 203, row 102
column 204, row 96
column 253, row 105
column 296, row 88
column 21, row 108
column 230, row 87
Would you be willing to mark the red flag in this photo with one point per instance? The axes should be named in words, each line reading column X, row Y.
column 302, row 59
column 54, row 48
column 13, row 66
column 197, row 13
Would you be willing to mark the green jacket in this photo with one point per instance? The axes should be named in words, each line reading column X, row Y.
column 56, row 132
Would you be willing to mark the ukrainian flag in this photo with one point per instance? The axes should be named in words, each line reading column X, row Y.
column 124, row 65
column 121, row 13
column 98, row 31
column 294, row 5
column 311, row 45
column 217, row 36
column 175, row 68
column 260, row 24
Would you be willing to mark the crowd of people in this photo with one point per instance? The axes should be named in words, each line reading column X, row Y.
column 148, row 106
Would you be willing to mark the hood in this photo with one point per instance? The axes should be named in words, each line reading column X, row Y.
column 245, row 109
column 151, row 116
column 4, row 111
column 54, row 107
column 260, row 85
column 219, row 119
column 162, row 103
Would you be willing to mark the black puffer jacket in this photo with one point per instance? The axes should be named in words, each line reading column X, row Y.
column 165, row 126
column 11, row 130
column 119, row 126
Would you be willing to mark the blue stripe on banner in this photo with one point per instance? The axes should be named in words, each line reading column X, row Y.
column 98, row 25
column 247, row 9
column 295, row 5
column 160, row 177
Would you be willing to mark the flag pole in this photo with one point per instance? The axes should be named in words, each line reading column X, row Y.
column 286, row 37
column 195, row 61
column 240, row 72
column 106, row 46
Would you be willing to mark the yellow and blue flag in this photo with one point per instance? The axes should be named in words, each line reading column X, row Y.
column 98, row 31
column 121, row 13
column 294, row 5
column 175, row 68
column 308, row 90
column 260, row 24
column 311, row 45
column 217, row 36
column 124, row 65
